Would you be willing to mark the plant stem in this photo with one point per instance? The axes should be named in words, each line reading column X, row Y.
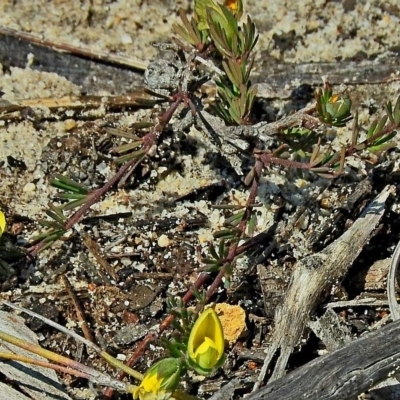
column 232, row 253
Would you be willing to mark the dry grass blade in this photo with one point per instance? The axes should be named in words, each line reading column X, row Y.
column 96, row 252
column 138, row 98
column 78, row 309
column 54, row 325
column 91, row 345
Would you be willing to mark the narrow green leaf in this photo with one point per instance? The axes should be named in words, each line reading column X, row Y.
column 74, row 204
column 355, row 134
column 50, row 224
column 209, row 261
column 221, row 248
column 64, row 183
column 129, row 156
column 381, row 124
column 371, row 129
column 127, row 147
column 382, row 147
column 71, row 196
column 226, row 233
column 213, row 252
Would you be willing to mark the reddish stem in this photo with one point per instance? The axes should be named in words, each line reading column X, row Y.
column 232, row 253
column 96, row 195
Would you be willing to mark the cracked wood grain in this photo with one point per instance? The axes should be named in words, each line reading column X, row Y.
column 343, row 374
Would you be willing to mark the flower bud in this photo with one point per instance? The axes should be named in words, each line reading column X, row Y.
column 160, row 381
column 338, row 106
column 206, row 343
column 235, row 6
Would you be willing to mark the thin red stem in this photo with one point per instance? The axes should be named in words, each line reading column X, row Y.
column 232, row 253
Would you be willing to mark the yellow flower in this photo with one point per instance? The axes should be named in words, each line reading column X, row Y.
column 2, row 223
column 206, row 343
column 236, row 6
column 160, row 381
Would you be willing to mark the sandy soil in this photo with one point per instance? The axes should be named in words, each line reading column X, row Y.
column 293, row 32
column 322, row 30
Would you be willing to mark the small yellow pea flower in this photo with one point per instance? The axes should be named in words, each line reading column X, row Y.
column 206, row 343
column 160, row 381
column 2, row 223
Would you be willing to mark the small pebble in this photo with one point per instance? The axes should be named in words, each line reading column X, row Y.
column 29, row 187
column 126, row 39
column 163, row 241
column 69, row 124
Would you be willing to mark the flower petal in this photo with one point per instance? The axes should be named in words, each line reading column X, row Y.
column 206, row 342
column 2, row 223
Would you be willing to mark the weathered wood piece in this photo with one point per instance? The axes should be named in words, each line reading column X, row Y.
column 343, row 374
column 35, row 381
column 227, row 391
column 95, row 71
column 278, row 80
column 389, row 389
column 332, row 330
column 83, row 68
column 313, row 277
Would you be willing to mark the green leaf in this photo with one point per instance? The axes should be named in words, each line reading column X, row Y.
column 221, row 248
column 71, row 196
column 127, row 147
column 225, row 233
column 382, row 147
column 382, row 143
column 200, row 10
column 213, row 252
column 235, row 218
column 56, row 214
column 64, row 183
column 129, row 156
column 220, row 15
column 394, row 113
column 209, row 261
column 189, row 31
column 74, row 204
